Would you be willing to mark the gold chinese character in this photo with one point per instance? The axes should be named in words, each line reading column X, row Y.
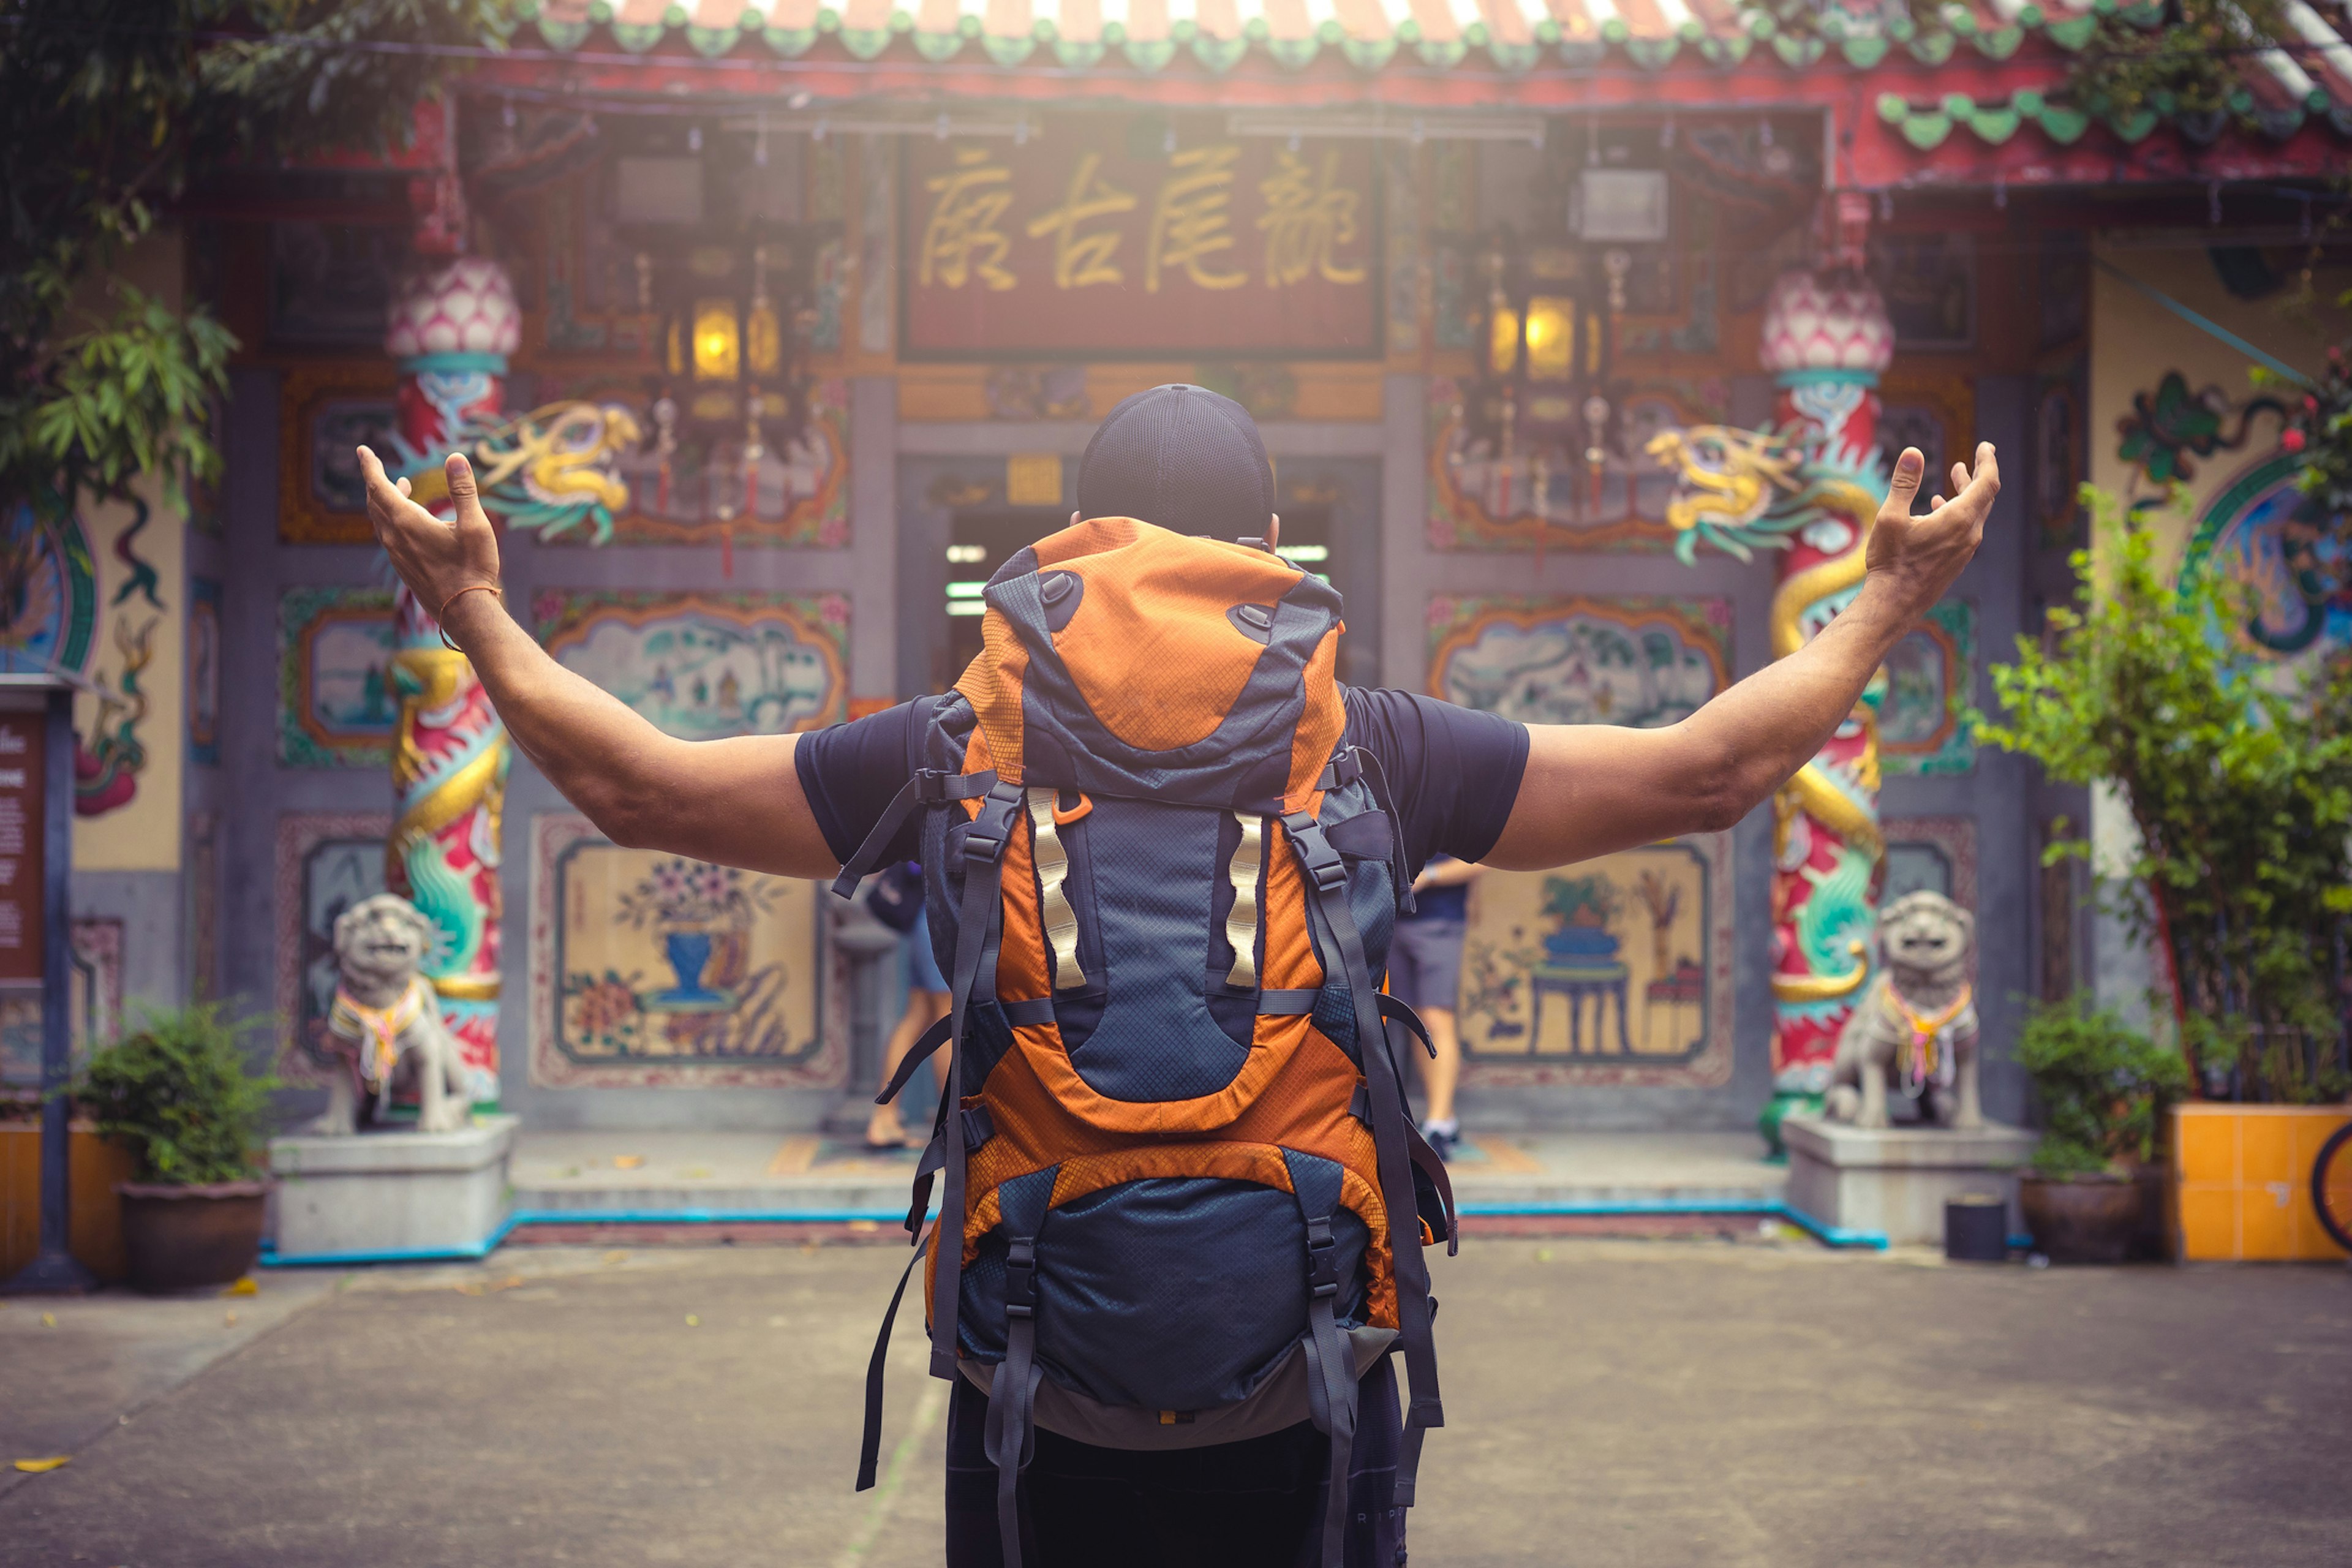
column 1306, row 219
column 1188, row 220
column 1080, row 259
column 963, row 237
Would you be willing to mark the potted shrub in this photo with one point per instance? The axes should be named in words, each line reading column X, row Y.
column 2235, row 765
column 2102, row 1086
column 178, row 1094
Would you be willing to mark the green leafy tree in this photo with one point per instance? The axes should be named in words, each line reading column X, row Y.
column 2242, row 793
column 177, row 1094
column 2173, row 56
column 108, row 110
column 2102, row 1086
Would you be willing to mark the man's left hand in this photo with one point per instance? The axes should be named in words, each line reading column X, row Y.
column 1917, row 559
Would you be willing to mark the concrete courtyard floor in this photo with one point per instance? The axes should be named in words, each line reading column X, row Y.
column 1677, row 1404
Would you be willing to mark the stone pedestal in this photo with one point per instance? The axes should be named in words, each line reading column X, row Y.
column 1895, row 1181
column 376, row 1197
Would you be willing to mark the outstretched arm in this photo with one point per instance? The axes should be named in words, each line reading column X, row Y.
column 735, row 802
column 1592, row 789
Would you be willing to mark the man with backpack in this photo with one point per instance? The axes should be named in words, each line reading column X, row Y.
column 1185, row 1207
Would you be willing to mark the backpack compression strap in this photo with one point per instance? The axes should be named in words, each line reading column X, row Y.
column 984, row 852
column 984, row 878
column 1010, row 1437
column 1331, row 1394
column 1326, row 884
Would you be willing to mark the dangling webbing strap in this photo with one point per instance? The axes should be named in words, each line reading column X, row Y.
column 918, row 1204
column 1053, row 863
column 869, row 1448
column 1326, row 884
column 983, row 873
column 930, row 1040
column 1241, row 925
column 1330, row 1381
column 1425, row 1159
column 1010, row 1437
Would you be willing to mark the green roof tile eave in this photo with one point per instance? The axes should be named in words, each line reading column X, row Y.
column 1863, row 46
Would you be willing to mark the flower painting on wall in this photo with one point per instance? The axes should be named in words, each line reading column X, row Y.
column 655, row 971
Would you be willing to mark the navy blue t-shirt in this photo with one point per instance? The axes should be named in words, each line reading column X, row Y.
column 1453, row 772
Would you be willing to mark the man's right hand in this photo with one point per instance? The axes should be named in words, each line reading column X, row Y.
column 437, row 560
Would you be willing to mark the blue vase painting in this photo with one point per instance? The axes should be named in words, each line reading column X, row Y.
column 689, row 953
column 1581, row 944
column 1582, row 908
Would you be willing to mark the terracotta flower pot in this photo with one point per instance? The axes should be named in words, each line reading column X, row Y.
column 180, row 1238
column 2080, row 1219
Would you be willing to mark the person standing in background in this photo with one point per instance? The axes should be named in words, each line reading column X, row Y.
column 897, row 901
column 1425, row 974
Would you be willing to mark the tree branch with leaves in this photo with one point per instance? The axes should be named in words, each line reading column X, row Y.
column 109, row 109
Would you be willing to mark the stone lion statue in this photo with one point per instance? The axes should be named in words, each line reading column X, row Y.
column 1915, row 1031
column 385, row 1023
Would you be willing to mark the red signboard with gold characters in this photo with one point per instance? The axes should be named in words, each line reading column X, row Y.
column 1110, row 238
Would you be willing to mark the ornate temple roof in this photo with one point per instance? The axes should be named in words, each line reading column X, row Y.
column 1974, row 94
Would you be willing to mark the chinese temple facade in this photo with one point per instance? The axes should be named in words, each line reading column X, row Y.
column 1572, row 327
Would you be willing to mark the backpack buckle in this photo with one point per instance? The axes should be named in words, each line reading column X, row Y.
column 1021, row 1277
column 1316, row 856
column 992, row 828
column 1322, row 1259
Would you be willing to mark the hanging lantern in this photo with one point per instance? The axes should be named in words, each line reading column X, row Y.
column 1539, row 411
column 717, row 343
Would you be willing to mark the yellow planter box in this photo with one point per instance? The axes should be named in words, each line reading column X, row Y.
column 94, row 1223
column 2242, row 1181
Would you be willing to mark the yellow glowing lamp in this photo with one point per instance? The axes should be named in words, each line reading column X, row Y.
column 718, row 341
column 763, row 338
column 1551, row 338
column 1502, row 339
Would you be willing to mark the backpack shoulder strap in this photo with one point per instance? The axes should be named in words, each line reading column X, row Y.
column 1326, row 876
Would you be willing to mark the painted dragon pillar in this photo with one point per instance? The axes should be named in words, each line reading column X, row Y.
column 451, row 330
column 1826, row 340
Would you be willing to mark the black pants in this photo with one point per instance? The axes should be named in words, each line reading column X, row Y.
column 1252, row 1504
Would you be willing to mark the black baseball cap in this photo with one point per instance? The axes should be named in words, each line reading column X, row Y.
column 1181, row 457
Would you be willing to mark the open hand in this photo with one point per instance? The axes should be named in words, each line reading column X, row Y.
column 435, row 559
column 1917, row 558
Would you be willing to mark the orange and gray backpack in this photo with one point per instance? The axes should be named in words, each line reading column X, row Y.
column 1185, row 1200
